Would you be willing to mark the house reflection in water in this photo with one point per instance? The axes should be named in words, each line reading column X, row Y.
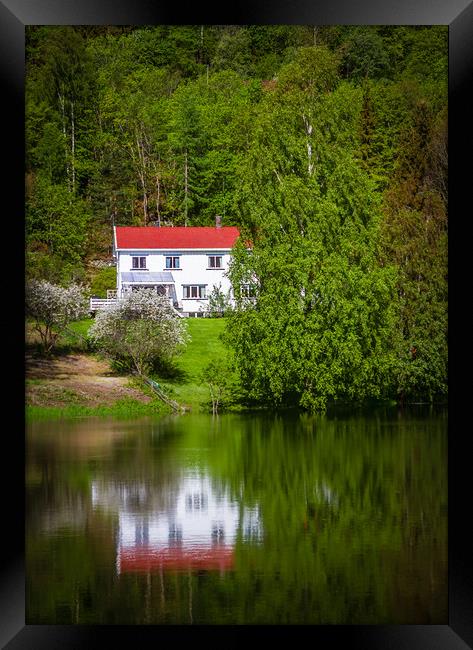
column 193, row 526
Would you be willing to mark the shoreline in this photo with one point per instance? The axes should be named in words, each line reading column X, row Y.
column 75, row 382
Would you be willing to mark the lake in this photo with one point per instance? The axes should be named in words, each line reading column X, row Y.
column 238, row 519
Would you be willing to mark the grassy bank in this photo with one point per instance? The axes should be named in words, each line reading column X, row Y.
column 122, row 409
column 182, row 381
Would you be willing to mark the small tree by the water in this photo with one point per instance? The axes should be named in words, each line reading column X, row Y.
column 140, row 329
column 52, row 308
column 219, row 375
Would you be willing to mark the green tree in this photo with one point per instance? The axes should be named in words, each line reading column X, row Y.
column 365, row 54
column 58, row 219
column 65, row 81
column 219, row 302
column 415, row 239
column 320, row 325
column 104, row 280
column 219, row 375
column 233, row 51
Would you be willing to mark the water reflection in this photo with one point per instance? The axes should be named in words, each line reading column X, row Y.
column 193, row 526
column 238, row 519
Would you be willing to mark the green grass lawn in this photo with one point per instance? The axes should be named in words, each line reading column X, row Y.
column 186, row 386
column 80, row 327
column 67, row 342
column 183, row 382
column 76, row 343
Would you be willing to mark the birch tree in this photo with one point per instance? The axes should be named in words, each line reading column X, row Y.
column 320, row 324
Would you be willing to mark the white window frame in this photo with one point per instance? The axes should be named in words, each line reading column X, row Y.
column 139, row 267
column 248, row 291
column 215, row 265
column 200, row 291
column 173, row 259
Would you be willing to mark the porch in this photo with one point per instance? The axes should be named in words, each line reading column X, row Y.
column 97, row 304
column 162, row 283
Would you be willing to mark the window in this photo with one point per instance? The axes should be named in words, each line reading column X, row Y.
column 248, row 291
column 138, row 262
column 218, row 532
column 194, row 291
column 175, row 534
column 172, row 262
column 196, row 501
column 215, row 261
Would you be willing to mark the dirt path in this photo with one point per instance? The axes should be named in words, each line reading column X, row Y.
column 75, row 379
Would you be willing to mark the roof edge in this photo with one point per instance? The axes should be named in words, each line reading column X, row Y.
column 177, row 248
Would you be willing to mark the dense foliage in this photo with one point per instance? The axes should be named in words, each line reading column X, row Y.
column 326, row 145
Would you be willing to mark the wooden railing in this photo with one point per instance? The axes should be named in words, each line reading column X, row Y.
column 96, row 304
column 177, row 408
column 101, row 303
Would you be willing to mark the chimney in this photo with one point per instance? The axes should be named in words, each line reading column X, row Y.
column 218, row 221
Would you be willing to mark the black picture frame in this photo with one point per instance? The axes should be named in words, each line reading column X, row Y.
column 14, row 16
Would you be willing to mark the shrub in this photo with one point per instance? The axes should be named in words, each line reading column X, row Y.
column 52, row 308
column 221, row 379
column 140, row 328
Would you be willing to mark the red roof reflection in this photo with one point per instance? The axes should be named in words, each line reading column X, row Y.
column 219, row 558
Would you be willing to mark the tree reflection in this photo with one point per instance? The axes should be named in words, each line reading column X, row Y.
column 309, row 520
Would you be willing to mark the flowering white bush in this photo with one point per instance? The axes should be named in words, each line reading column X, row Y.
column 52, row 308
column 141, row 327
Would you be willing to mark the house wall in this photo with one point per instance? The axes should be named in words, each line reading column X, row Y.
column 196, row 517
column 193, row 271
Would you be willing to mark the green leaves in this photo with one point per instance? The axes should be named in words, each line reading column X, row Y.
column 320, row 326
column 298, row 135
column 58, row 219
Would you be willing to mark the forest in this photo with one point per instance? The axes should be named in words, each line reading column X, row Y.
column 325, row 145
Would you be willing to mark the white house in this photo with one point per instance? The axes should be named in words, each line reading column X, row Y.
column 184, row 263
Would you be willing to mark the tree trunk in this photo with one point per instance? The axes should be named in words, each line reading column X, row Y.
column 141, row 163
column 62, row 103
column 73, row 149
column 308, row 130
column 145, row 205
column 158, row 197
column 186, row 188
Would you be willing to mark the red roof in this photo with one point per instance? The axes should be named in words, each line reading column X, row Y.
column 177, row 559
column 176, row 238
